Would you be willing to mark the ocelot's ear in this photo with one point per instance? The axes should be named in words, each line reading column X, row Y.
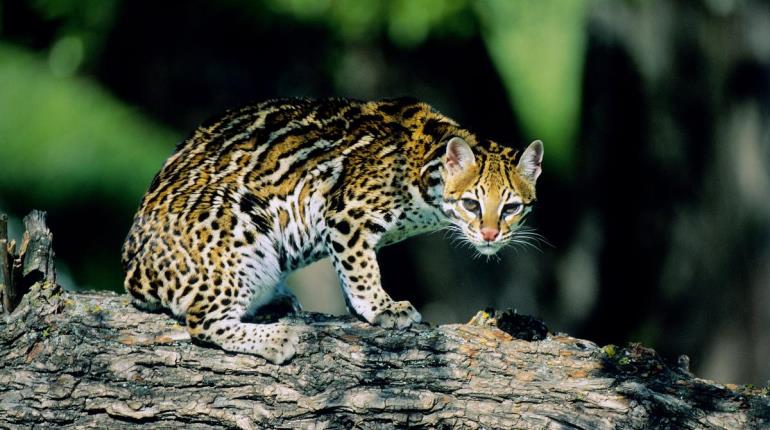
column 459, row 155
column 530, row 160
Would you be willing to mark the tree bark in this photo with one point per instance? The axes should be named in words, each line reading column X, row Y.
column 93, row 361
column 34, row 262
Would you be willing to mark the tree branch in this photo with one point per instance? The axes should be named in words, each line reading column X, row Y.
column 33, row 263
column 92, row 360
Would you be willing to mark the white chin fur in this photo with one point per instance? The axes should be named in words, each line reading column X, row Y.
column 487, row 250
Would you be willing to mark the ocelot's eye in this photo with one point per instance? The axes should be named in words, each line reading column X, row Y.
column 471, row 205
column 512, row 209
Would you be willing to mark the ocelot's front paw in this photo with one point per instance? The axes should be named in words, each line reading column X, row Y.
column 397, row 314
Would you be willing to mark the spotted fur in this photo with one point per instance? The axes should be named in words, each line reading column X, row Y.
column 272, row 187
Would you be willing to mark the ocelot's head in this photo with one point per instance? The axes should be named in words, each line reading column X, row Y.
column 488, row 191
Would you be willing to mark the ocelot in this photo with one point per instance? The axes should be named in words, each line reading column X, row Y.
column 268, row 188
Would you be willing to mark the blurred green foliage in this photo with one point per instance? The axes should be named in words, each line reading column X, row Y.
column 537, row 46
column 407, row 23
column 88, row 21
column 59, row 128
column 63, row 137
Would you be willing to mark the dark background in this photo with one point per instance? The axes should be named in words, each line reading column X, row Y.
column 655, row 196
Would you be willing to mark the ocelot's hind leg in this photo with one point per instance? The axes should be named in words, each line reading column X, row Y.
column 144, row 292
column 221, row 324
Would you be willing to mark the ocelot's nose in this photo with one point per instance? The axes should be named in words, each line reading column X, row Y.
column 489, row 234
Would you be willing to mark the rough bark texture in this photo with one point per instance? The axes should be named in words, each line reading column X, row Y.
column 92, row 360
column 6, row 293
column 33, row 263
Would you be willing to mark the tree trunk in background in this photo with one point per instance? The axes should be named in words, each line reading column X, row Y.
column 677, row 135
column 92, row 360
